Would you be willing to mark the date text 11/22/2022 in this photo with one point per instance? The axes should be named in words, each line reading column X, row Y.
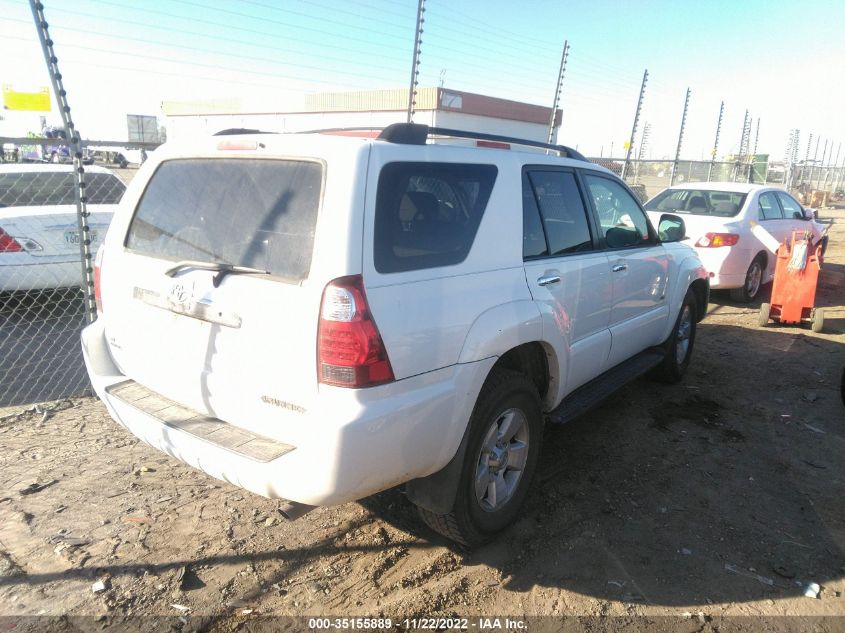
column 418, row 623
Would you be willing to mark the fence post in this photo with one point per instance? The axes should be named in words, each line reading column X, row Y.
column 73, row 141
column 716, row 142
column 634, row 127
column 558, row 89
column 680, row 139
column 415, row 71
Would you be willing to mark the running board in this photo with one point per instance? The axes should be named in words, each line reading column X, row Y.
column 594, row 392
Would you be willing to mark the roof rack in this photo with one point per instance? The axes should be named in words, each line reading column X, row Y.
column 418, row 133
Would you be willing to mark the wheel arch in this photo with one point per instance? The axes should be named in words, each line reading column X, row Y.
column 534, row 359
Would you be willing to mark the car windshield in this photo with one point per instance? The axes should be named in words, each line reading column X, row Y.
column 724, row 204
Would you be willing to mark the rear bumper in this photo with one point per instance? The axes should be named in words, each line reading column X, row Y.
column 363, row 441
column 726, row 266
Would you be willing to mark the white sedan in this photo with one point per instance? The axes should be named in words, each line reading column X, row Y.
column 719, row 217
column 39, row 235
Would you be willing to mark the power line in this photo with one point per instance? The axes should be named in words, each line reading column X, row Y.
column 297, row 26
column 195, row 49
column 217, row 37
column 187, row 63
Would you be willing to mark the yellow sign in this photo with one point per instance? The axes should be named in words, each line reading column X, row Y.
column 626, row 144
column 30, row 101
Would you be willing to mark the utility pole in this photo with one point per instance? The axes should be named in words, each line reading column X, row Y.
column 716, row 142
column 806, row 158
column 680, row 139
column 415, row 71
column 833, row 170
column 821, row 167
column 73, row 140
column 743, row 145
column 815, row 158
column 790, row 158
column 753, row 154
column 558, row 89
column 641, row 153
column 634, row 127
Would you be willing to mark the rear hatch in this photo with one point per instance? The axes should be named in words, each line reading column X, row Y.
column 238, row 346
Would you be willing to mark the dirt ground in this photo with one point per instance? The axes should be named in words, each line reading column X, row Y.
column 706, row 501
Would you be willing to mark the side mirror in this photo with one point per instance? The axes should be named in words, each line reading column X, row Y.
column 671, row 228
column 798, row 215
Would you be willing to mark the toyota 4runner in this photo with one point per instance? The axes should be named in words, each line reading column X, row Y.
column 317, row 318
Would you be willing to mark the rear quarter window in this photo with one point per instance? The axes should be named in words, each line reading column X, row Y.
column 427, row 214
column 259, row 213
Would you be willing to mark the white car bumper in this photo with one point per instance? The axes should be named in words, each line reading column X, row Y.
column 22, row 272
column 726, row 265
column 363, row 441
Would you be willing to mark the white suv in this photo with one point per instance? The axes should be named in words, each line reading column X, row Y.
column 317, row 318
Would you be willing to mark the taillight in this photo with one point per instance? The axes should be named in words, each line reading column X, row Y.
column 9, row 244
column 98, row 291
column 714, row 240
column 350, row 350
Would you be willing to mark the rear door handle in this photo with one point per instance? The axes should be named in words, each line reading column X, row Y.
column 545, row 280
column 619, row 268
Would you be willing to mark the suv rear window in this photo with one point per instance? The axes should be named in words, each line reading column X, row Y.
column 39, row 189
column 246, row 212
column 427, row 214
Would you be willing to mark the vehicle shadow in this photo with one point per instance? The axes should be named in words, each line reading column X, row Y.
column 720, row 489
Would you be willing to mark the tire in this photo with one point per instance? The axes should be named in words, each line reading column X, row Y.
column 817, row 322
column 763, row 317
column 55, row 159
column 678, row 347
column 753, row 282
column 508, row 401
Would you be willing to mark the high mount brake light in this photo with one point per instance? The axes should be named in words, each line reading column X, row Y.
column 350, row 350
column 715, row 240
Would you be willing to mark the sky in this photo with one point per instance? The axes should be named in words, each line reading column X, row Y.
column 783, row 62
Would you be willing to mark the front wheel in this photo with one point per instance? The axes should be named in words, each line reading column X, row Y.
column 506, row 430
column 753, row 282
column 678, row 347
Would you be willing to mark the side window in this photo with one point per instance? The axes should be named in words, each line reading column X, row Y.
column 427, row 214
column 769, row 207
column 623, row 222
column 533, row 237
column 563, row 212
column 790, row 205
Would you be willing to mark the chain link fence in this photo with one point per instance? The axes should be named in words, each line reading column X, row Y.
column 42, row 304
column 649, row 177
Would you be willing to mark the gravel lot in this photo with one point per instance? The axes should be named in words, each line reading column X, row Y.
column 718, row 497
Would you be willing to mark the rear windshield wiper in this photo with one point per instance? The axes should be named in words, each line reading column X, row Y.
column 220, row 268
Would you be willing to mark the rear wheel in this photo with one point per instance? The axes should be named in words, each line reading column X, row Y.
column 753, row 282
column 506, row 429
